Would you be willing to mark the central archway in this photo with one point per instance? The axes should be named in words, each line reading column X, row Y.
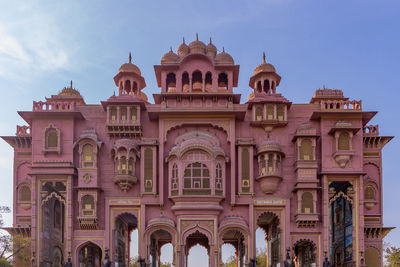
column 90, row 255
column 197, row 238
column 269, row 223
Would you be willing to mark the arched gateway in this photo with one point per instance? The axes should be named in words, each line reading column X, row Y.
column 122, row 180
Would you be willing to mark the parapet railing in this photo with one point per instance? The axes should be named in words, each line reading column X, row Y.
column 341, row 104
column 371, row 129
column 23, row 130
column 53, row 106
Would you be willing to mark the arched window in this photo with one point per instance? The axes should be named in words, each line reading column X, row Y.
column 270, row 162
column 223, row 81
column 344, row 141
column 185, row 82
column 270, row 112
column 123, row 165
column 281, row 113
column 25, row 193
column 57, row 214
column 174, row 180
column 266, row 86
column 259, row 87
column 196, row 178
column 148, row 169
column 87, row 155
column 171, row 82
column 278, row 163
column 263, row 165
column 369, row 193
column 218, row 179
column 306, row 150
column 259, row 114
column 307, row 203
column 87, row 202
column 130, row 166
column 134, row 89
column 133, row 114
column 197, row 81
column 208, row 82
column 127, row 87
column 52, row 138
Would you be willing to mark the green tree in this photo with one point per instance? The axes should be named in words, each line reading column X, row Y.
column 261, row 257
column 392, row 256
column 13, row 247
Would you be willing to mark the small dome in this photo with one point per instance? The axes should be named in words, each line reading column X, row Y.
column 143, row 96
column 211, row 49
column 264, row 67
column 251, row 96
column 197, row 46
column 183, row 49
column 129, row 67
column 269, row 145
column 69, row 91
column 170, row 58
column 224, row 58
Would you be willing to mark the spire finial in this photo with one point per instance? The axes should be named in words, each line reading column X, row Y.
column 223, row 49
column 170, row 49
column 130, row 57
column 183, row 40
column 71, row 84
column 264, row 58
column 197, row 36
column 210, row 41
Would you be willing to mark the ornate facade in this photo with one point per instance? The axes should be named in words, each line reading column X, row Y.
column 199, row 167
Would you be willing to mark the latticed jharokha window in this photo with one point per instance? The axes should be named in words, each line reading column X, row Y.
column 344, row 141
column 113, row 114
column 281, row 113
column 306, row 150
column 51, row 138
column 369, row 193
column 174, row 180
column 124, row 114
column 87, row 205
column 88, row 155
column 196, row 179
column 307, row 205
column 133, row 113
column 259, row 114
column 270, row 112
column 218, row 179
column 25, row 193
column 245, row 170
column 148, row 169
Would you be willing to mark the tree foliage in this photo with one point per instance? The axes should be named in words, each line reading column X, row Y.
column 261, row 259
column 14, row 247
column 392, row 256
column 134, row 262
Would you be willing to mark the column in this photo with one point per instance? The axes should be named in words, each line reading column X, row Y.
column 190, row 85
column 203, row 85
column 128, row 114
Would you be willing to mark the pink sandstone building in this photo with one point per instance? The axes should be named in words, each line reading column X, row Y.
column 199, row 167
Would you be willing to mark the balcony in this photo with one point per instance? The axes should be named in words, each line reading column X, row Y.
column 307, row 220
column 269, row 181
column 87, row 222
column 125, row 181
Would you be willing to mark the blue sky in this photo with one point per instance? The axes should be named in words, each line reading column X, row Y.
column 352, row 45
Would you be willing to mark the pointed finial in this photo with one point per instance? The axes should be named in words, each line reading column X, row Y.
column 183, row 40
column 210, row 41
column 223, row 49
column 170, row 49
column 71, row 84
column 264, row 58
column 323, row 86
column 130, row 57
column 197, row 36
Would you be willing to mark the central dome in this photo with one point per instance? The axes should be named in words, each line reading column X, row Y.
column 224, row 58
column 197, row 46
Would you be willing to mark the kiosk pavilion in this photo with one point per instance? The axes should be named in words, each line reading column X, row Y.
column 199, row 167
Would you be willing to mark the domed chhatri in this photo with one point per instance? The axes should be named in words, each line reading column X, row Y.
column 130, row 67
column 264, row 67
column 196, row 165
column 170, row 58
column 224, row 58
